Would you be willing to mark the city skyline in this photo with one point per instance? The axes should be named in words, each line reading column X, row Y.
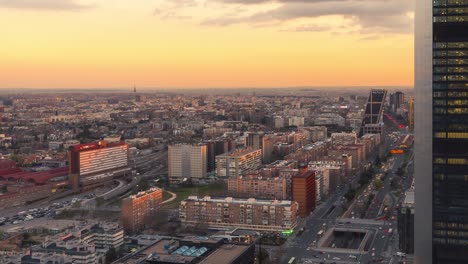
column 205, row 43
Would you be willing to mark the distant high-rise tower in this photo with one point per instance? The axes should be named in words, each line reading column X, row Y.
column 137, row 97
column 373, row 116
column 441, row 132
column 411, row 113
column 396, row 101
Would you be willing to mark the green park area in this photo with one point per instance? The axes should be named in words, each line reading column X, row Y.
column 214, row 189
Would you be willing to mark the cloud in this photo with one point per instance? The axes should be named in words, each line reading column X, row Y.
column 59, row 5
column 311, row 28
column 366, row 17
column 386, row 16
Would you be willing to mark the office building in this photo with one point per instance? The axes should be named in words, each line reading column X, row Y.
column 406, row 224
column 93, row 164
column 254, row 185
column 396, row 101
column 138, row 210
column 303, row 192
column 372, row 122
column 253, row 214
column 441, row 137
column 216, row 147
column 411, row 113
column 238, row 163
column 210, row 155
column 187, row 161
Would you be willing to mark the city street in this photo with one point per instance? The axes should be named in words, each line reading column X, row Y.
column 384, row 242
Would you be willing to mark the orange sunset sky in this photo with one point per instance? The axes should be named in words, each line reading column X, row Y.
column 205, row 43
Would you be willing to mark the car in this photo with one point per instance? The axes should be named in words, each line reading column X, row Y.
column 28, row 218
column 336, row 258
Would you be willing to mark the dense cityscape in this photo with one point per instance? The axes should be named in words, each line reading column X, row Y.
column 234, row 132
column 266, row 176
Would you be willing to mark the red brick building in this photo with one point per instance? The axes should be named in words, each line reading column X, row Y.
column 303, row 192
column 137, row 209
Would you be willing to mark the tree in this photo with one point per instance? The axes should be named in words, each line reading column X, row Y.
column 378, row 183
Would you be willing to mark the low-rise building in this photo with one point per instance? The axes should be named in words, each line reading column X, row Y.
column 191, row 250
column 85, row 244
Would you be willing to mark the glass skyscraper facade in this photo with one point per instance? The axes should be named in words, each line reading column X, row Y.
column 442, row 125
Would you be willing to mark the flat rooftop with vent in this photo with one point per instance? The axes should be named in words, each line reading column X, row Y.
column 192, row 250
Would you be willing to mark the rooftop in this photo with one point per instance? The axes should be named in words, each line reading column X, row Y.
column 409, row 198
column 239, row 201
column 239, row 152
column 225, row 254
column 140, row 194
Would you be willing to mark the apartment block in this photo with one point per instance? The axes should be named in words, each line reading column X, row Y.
column 343, row 138
column 261, row 215
column 254, row 185
column 138, row 209
column 85, row 244
column 354, row 151
column 238, row 162
column 267, row 148
column 187, row 161
column 335, row 173
column 303, row 192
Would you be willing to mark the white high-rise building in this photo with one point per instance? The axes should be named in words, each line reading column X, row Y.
column 187, row 161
